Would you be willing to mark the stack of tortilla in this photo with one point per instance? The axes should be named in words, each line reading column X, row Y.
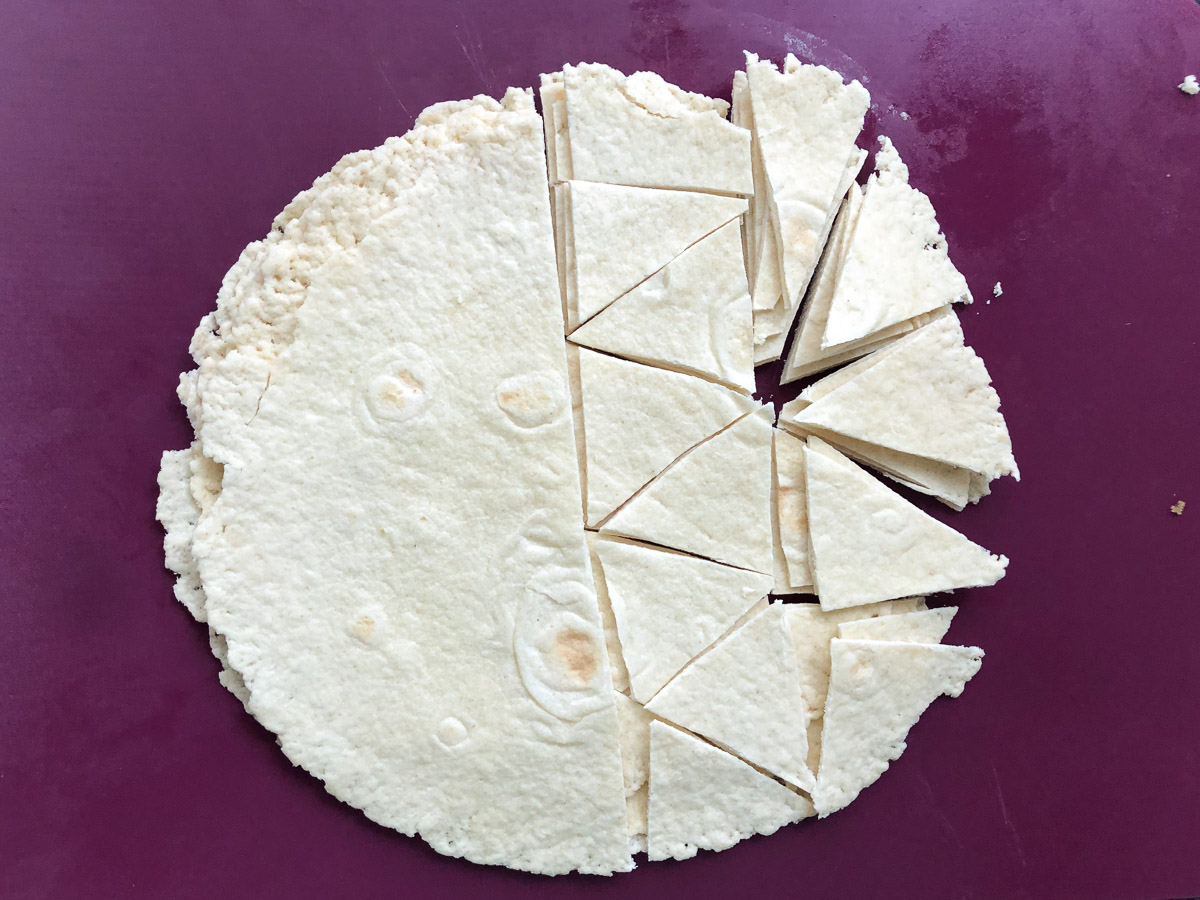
column 483, row 517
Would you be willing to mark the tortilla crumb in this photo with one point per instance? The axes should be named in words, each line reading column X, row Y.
column 1190, row 85
column 997, row 290
column 1177, row 507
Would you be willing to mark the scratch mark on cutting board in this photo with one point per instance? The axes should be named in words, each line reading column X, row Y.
column 1007, row 821
column 933, row 804
column 472, row 49
column 384, row 75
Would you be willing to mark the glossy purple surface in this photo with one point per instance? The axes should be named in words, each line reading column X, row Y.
column 143, row 144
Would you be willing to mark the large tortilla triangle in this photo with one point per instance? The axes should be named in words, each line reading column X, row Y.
column 897, row 265
column 929, row 397
column 714, row 502
column 669, row 607
column 877, row 691
column 773, row 324
column 641, row 130
column 805, row 122
column 623, row 235
column 637, row 420
column 870, row 544
column 701, row 798
column 709, row 697
column 693, row 315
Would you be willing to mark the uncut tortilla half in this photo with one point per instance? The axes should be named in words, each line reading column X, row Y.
column 413, row 444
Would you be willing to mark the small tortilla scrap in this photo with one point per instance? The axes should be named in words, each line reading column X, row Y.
column 1178, row 506
column 1190, row 85
column 702, row 798
column 669, row 607
column 793, row 574
column 641, row 130
column 877, row 691
column 710, row 697
column 714, row 501
column 871, row 544
column 927, row 626
column 693, row 315
column 897, row 265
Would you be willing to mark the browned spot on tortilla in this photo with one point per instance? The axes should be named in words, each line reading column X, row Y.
column 364, row 628
column 399, row 389
column 578, row 654
column 531, row 399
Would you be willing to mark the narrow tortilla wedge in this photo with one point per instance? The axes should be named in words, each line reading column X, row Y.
column 701, row 798
column 811, row 629
column 870, row 544
column 773, row 324
column 929, row 397
column 927, row 626
column 791, row 515
column 709, row 697
column 623, row 235
column 715, row 501
column 634, row 722
column 669, row 607
column 805, row 120
column 608, row 621
column 692, row 316
column 641, row 130
column 390, row 442
column 897, row 266
column 877, row 691
column 554, row 119
column 637, row 420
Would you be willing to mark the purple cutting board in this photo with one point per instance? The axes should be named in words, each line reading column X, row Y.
column 143, row 144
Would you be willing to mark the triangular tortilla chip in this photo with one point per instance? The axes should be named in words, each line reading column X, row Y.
column 897, row 266
column 693, row 315
column 669, row 607
column 805, row 124
column 948, row 484
column 771, row 325
column 926, row 626
column 637, row 420
column 714, row 502
column 701, row 798
column 930, row 397
column 623, row 235
column 870, row 544
column 709, row 697
column 641, row 130
column 811, row 629
column 877, row 691
column 791, row 514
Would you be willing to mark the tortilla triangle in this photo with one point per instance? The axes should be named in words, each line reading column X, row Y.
column 870, row 544
column 693, row 315
column 877, row 691
column 637, row 420
column 669, row 607
column 709, row 697
column 701, row 798
column 714, row 502
column 803, row 176
column 641, row 130
column 811, row 629
column 930, row 396
column 896, row 266
column 622, row 235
